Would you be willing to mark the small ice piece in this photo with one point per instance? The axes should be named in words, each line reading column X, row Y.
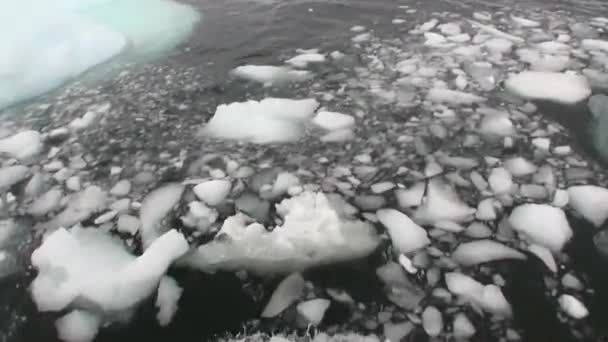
column 496, row 125
column 442, row 203
column 520, row 167
column 434, row 39
column 394, row 332
column 382, row 187
column 432, row 321
column 357, row 28
column 338, row 135
column 83, row 122
column 360, row 38
column 500, row 181
column 450, row 29
column 406, row 235
column 462, row 328
column 121, row 188
column 595, row 44
column 266, row 121
column 542, row 224
column 332, row 121
column 572, row 306
column 313, row 310
column 302, row 61
column 533, row 85
column 155, row 207
column 453, row 97
column 498, row 45
column 167, row 298
column 407, row 264
column 411, row 197
column 524, row 22
column 23, row 145
column 590, row 201
column 270, row 74
column 560, row 198
column 429, row 25
column 486, row 210
column 213, row 192
column 496, row 32
column 542, row 143
column 482, row 251
column 487, row 297
column 78, row 326
column 46, row 203
column 10, row 175
column 286, row 293
column 128, row 224
column 545, row 255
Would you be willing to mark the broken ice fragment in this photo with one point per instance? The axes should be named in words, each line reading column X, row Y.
column 406, row 235
column 442, row 203
column 533, row 85
column 542, row 224
column 572, row 306
column 78, row 326
column 286, row 293
column 313, row 310
column 154, row 208
column 167, row 298
column 270, row 75
column 213, row 192
column 481, row 251
column 454, row 97
column 398, row 288
column 23, row 145
column 590, row 201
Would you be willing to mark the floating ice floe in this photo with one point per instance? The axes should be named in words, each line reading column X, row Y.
column 550, row 86
column 572, row 306
column 486, row 297
column 154, row 208
column 78, row 326
column 312, row 234
column 313, row 310
column 167, row 299
column 453, row 97
column 542, row 224
column 432, row 321
column 442, row 204
column 87, row 269
column 23, row 145
column 590, row 201
column 271, row 75
column 405, row 234
column 213, row 192
column 481, row 251
column 286, row 293
column 266, row 121
column 302, row 60
column 10, row 175
column 49, row 43
column 333, row 121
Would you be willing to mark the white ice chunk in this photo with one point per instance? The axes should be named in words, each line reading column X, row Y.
column 269, row 74
column 590, row 201
column 481, row 251
column 78, row 326
column 405, row 234
column 462, row 328
column 500, row 181
column 450, row 29
column 167, row 298
column 46, row 203
column 496, row 32
column 520, row 166
column 332, row 121
column 312, row 233
column 442, row 203
column 302, row 61
column 488, row 297
column 432, row 321
column 550, row 86
column 572, row 306
column 453, row 97
column 524, row 22
column 542, row 224
column 496, row 125
column 288, row 291
column 154, row 207
column 11, row 175
column 213, row 192
column 266, row 121
column 23, row 145
column 313, row 310
column 86, row 266
column 498, row 45
column 411, row 197
column 595, row 44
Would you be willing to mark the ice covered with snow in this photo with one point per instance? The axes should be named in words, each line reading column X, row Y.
column 332, row 121
column 481, row 251
column 47, row 43
column 85, row 266
column 441, row 204
column 487, row 297
column 266, row 121
column 405, row 234
column 154, row 207
column 551, row 86
column 78, row 326
column 590, row 201
column 542, row 224
column 312, row 233
column 23, row 145
column 213, row 192
column 270, row 74
column 167, row 298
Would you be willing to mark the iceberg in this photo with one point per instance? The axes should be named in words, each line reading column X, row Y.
column 48, row 43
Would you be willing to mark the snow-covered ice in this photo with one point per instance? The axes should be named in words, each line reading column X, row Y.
column 312, row 233
column 542, row 224
column 550, row 86
column 266, row 121
column 590, row 201
column 405, row 234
